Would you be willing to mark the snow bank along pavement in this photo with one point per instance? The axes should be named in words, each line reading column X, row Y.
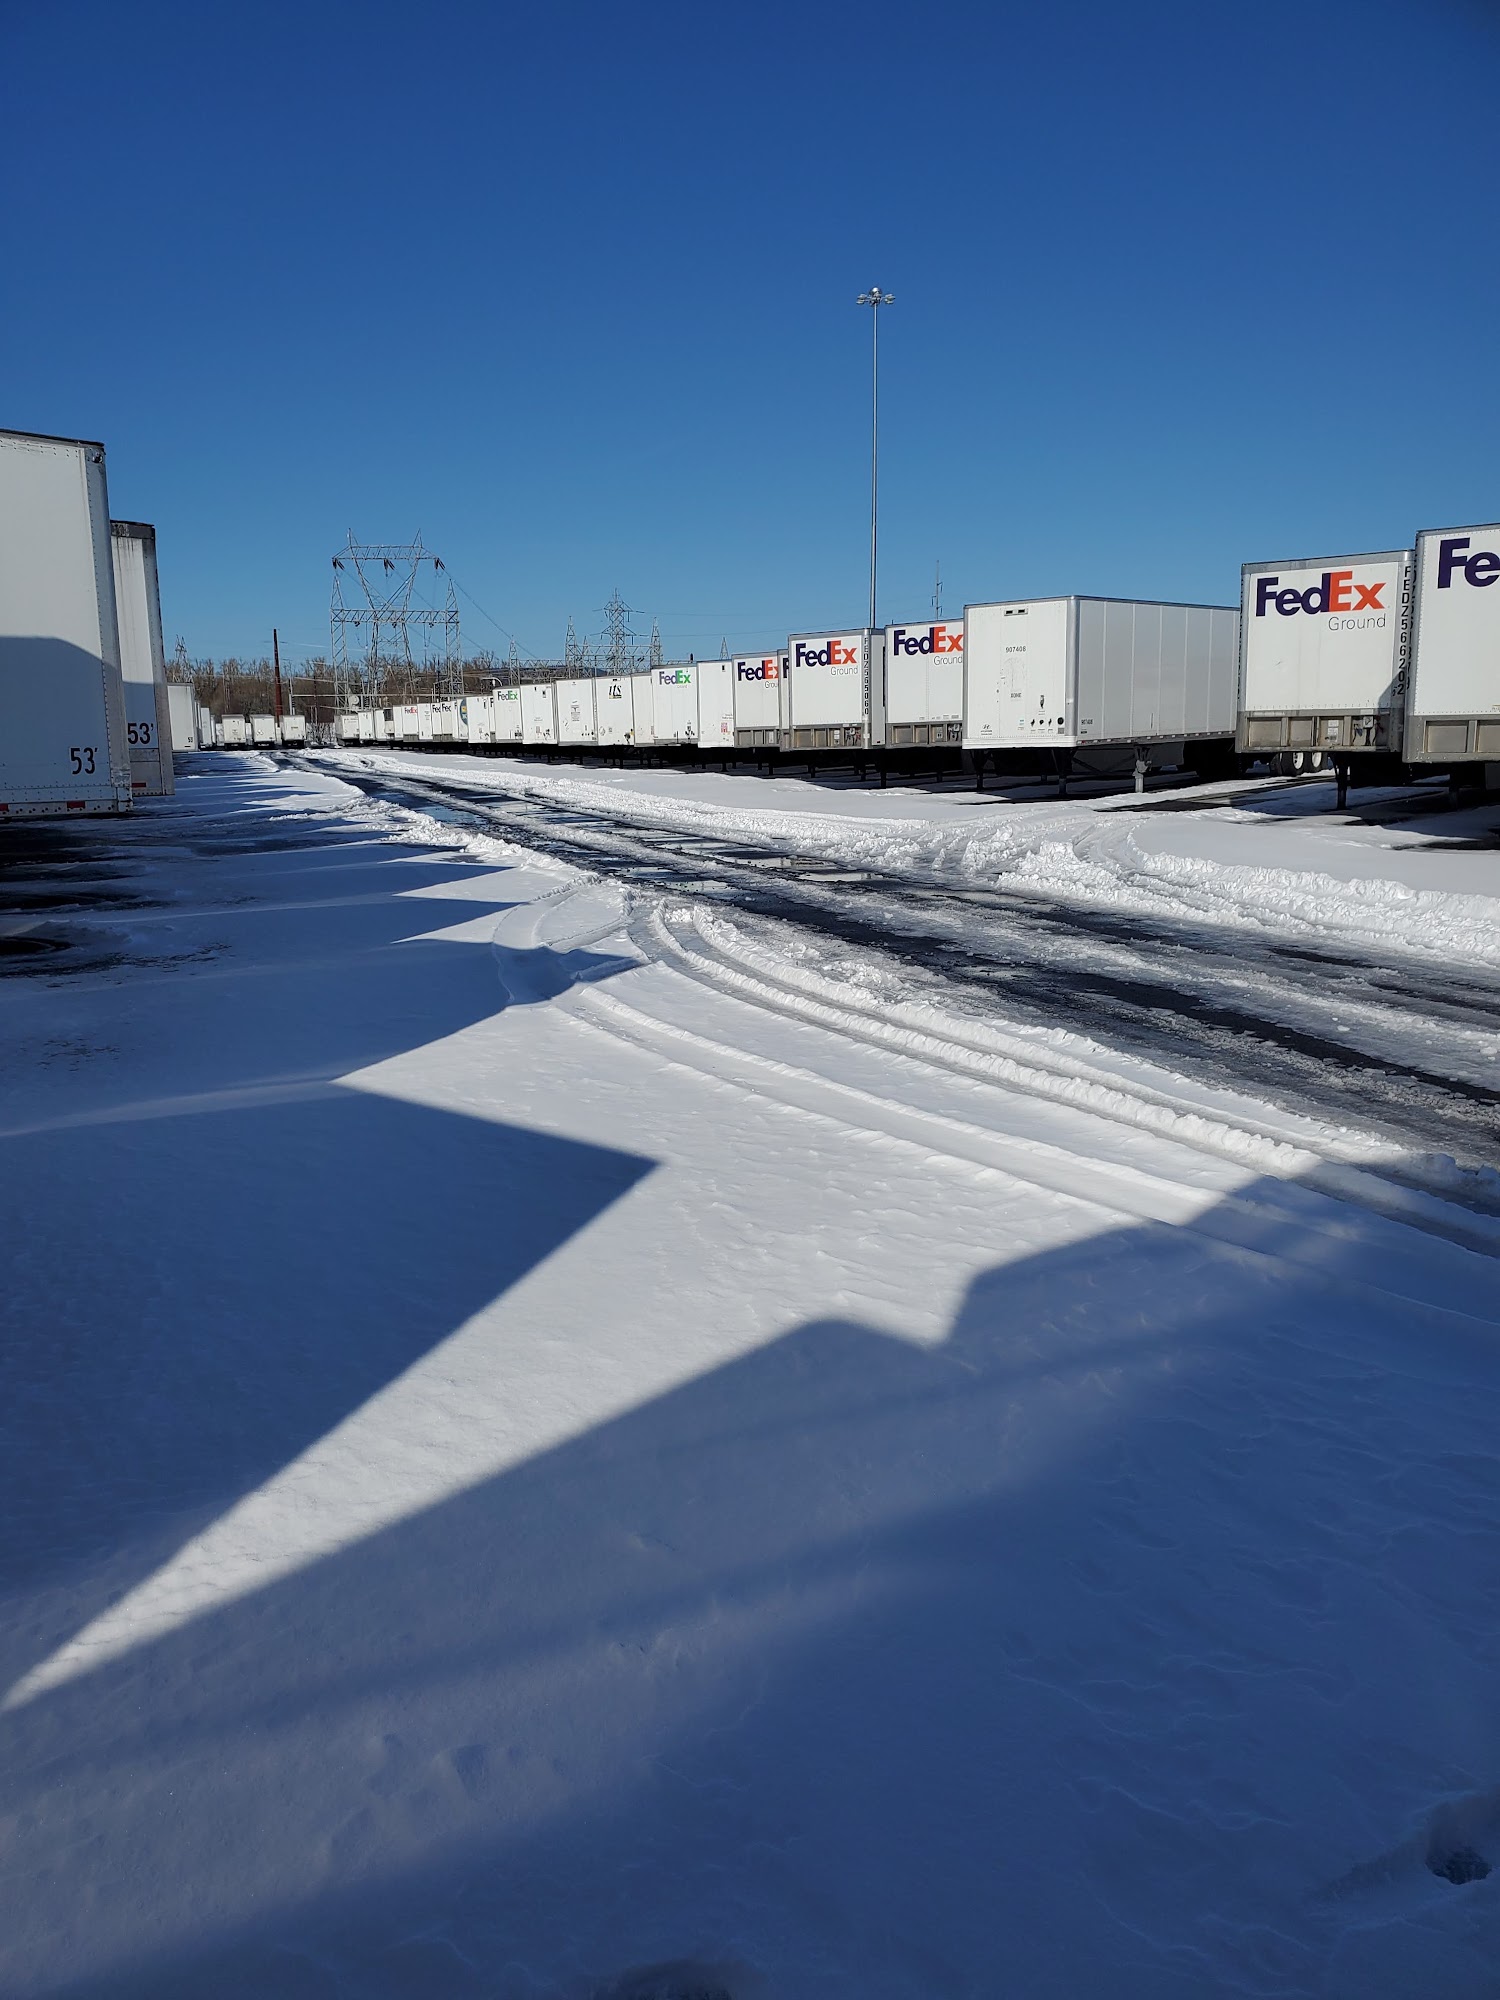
column 553, row 1451
column 1241, row 866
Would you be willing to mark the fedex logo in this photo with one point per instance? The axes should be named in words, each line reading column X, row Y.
column 1479, row 569
column 841, row 654
column 758, row 670
column 935, row 639
column 673, row 677
column 1335, row 590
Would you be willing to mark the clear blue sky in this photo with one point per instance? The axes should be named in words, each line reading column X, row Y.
column 571, row 291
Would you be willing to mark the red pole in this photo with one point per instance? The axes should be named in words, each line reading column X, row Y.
column 276, row 664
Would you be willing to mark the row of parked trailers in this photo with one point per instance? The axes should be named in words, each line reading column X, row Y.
column 197, row 728
column 84, row 716
column 1394, row 655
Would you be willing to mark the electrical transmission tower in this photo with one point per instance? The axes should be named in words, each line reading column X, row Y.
column 373, row 587
column 618, row 637
column 655, row 657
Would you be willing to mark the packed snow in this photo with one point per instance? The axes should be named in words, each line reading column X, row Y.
column 1408, row 889
column 555, row 1448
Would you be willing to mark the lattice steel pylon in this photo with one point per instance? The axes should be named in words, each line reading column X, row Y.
column 386, row 574
column 619, row 640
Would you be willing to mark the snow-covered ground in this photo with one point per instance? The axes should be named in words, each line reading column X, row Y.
column 1280, row 859
column 544, row 1440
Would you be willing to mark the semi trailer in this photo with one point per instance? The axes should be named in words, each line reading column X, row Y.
column 64, row 747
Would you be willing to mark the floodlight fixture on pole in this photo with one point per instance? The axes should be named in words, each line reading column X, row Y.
column 874, row 298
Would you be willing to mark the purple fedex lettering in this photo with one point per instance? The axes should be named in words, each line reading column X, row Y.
column 1479, row 569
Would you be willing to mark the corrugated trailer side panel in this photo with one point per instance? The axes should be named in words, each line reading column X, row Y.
column 1453, row 705
column 63, row 747
column 208, row 734
column 1146, row 671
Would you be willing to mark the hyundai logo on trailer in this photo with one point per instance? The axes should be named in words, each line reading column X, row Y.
column 1480, row 569
column 1335, row 590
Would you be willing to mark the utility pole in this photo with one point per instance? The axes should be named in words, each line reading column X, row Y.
column 937, row 590
column 276, row 668
column 874, row 298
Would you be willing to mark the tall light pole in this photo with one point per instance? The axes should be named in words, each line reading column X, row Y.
column 875, row 298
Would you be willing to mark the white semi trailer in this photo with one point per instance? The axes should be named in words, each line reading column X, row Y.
column 761, row 717
column 263, row 731
column 143, row 661
column 182, row 714
column 1077, row 677
column 576, row 719
column 1323, row 657
column 538, row 714
column 63, row 747
column 1453, row 699
column 924, row 683
column 836, row 690
column 716, row 705
column 614, row 711
column 674, row 704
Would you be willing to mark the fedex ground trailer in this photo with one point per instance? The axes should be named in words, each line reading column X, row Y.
column 143, row 660
column 1453, row 698
column 924, row 683
column 63, row 747
column 1323, row 658
column 836, row 690
column 1056, row 680
column 761, row 720
column 674, row 704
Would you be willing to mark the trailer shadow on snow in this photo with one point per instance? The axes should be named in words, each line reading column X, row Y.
column 1136, row 1639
